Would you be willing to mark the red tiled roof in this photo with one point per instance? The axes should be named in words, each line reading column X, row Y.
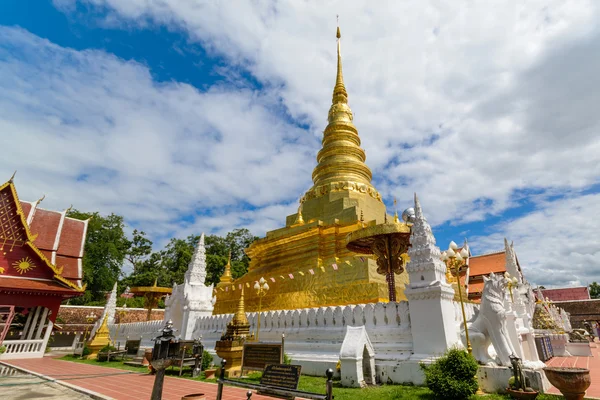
column 24, row 266
column 26, row 208
column 60, row 238
column 72, row 237
column 45, row 224
column 70, row 267
column 32, row 285
column 487, row 263
column 565, row 294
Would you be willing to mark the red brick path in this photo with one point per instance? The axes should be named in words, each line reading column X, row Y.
column 121, row 385
column 592, row 363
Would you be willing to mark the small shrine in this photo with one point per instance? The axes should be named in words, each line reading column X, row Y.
column 231, row 345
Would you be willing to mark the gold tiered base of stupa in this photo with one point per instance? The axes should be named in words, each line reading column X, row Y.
column 313, row 245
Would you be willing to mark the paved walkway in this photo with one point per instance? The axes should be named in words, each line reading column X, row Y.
column 113, row 383
column 591, row 363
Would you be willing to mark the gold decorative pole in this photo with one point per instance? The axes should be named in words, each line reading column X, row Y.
column 512, row 282
column 454, row 260
column 120, row 314
column 261, row 287
column 91, row 317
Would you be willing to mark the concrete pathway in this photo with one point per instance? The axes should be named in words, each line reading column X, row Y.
column 591, row 363
column 15, row 385
column 117, row 384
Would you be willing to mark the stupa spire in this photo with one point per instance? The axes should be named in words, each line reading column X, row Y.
column 196, row 272
column 341, row 160
column 240, row 315
column 226, row 277
column 339, row 91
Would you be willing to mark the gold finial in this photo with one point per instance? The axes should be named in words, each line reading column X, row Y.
column 40, row 200
column 240, row 315
column 226, row 277
column 69, row 209
column 13, row 176
column 299, row 219
column 339, row 91
column 396, row 220
column 155, row 282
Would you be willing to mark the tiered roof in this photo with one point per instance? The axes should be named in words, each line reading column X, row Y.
column 483, row 265
column 60, row 238
column 25, row 267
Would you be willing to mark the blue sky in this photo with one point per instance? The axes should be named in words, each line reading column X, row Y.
column 189, row 116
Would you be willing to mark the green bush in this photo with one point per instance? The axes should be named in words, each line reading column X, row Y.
column 452, row 376
column 86, row 351
column 107, row 348
column 207, row 360
column 287, row 359
column 2, row 349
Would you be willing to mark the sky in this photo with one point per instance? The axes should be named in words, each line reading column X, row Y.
column 189, row 116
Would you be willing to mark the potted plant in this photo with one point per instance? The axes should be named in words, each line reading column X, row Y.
column 518, row 384
column 210, row 372
column 572, row 382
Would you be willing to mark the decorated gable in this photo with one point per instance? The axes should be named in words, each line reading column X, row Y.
column 19, row 256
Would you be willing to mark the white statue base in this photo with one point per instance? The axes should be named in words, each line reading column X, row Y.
column 495, row 379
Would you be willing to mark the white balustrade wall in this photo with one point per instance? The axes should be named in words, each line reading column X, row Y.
column 313, row 336
column 17, row 349
column 146, row 331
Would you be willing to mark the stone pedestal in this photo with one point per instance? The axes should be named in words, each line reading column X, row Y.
column 495, row 379
column 231, row 350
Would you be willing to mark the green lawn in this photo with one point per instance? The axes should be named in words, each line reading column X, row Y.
column 314, row 384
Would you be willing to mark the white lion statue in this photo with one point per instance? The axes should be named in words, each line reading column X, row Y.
column 490, row 324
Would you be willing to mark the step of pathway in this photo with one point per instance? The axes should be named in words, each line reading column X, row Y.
column 117, row 384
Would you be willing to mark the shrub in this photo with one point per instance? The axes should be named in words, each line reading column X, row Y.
column 207, row 360
column 86, row 351
column 2, row 349
column 452, row 376
column 107, row 348
column 287, row 359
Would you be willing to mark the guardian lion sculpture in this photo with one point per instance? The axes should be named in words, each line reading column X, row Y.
column 490, row 324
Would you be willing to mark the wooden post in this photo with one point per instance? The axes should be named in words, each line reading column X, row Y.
column 282, row 349
column 329, row 384
column 220, row 381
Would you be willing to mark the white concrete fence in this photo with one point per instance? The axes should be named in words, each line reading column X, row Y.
column 313, row 336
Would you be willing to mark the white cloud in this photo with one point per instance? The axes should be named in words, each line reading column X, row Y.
column 485, row 78
column 470, row 104
column 90, row 129
column 557, row 244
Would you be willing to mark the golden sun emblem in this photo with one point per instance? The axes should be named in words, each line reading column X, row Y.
column 24, row 265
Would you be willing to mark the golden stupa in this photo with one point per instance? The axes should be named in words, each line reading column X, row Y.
column 301, row 256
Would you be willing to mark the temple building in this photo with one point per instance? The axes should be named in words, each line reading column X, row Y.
column 306, row 263
column 40, row 266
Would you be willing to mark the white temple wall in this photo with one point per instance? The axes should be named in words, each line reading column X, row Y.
column 314, row 336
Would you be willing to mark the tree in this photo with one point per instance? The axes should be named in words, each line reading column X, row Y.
column 217, row 253
column 595, row 290
column 105, row 249
column 140, row 247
